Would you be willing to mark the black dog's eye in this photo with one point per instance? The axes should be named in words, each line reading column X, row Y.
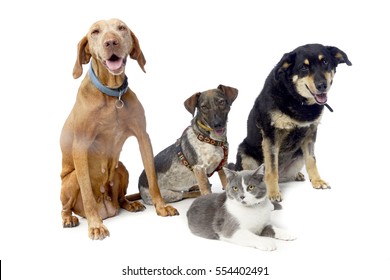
column 304, row 68
column 324, row 62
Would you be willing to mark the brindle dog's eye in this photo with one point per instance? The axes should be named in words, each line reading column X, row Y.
column 221, row 102
column 204, row 108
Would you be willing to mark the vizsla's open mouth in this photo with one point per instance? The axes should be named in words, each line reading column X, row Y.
column 115, row 64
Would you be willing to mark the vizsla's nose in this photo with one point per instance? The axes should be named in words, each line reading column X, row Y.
column 111, row 42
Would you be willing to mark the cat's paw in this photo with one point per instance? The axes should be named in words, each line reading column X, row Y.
column 284, row 235
column 266, row 244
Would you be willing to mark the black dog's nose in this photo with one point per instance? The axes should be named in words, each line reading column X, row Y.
column 322, row 86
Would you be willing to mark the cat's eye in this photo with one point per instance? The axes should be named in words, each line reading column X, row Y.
column 251, row 187
column 235, row 188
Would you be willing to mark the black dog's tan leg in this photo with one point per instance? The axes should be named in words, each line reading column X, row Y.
column 222, row 177
column 203, row 181
column 311, row 166
column 271, row 176
column 148, row 161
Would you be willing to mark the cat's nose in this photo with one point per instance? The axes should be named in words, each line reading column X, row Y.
column 242, row 196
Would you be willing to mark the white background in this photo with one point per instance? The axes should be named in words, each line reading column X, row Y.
column 193, row 46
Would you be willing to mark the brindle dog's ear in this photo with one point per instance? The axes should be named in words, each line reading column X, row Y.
column 230, row 92
column 191, row 103
column 136, row 52
column 83, row 57
column 284, row 64
column 341, row 57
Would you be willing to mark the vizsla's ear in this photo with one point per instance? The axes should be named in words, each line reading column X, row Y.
column 230, row 92
column 136, row 52
column 83, row 57
column 191, row 103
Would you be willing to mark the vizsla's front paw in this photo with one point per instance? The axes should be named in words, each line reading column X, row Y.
column 320, row 184
column 98, row 232
column 166, row 210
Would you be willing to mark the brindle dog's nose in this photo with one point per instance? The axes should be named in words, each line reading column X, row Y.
column 218, row 122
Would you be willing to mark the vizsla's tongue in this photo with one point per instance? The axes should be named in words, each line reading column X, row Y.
column 114, row 64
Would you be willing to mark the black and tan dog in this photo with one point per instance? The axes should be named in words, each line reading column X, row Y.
column 282, row 124
column 201, row 150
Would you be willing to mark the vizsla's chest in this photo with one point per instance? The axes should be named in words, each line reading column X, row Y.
column 113, row 130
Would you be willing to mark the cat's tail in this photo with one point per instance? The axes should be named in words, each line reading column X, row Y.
column 277, row 205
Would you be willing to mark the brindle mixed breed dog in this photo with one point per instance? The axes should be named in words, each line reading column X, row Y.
column 282, row 124
column 201, row 150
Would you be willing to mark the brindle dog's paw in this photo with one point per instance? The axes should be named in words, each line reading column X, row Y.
column 70, row 221
column 98, row 233
column 300, row 177
column 320, row 184
column 166, row 210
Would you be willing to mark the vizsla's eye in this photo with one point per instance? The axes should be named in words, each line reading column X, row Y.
column 95, row 32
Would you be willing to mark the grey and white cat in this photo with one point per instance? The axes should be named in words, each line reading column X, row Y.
column 241, row 215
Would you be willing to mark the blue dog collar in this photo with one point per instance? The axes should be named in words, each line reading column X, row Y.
column 106, row 90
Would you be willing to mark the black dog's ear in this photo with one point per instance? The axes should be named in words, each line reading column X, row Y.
column 340, row 56
column 230, row 92
column 192, row 102
column 285, row 63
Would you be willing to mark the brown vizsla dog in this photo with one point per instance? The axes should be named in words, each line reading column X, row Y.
column 106, row 113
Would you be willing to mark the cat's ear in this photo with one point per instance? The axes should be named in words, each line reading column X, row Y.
column 229, row 173
column 258, row 173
